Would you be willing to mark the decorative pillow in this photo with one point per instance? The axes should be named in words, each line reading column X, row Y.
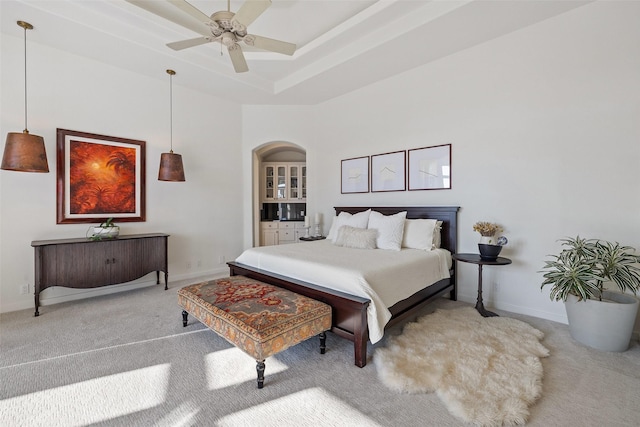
column 353, row 237
column 390, row 229
column 419, row 234
column 358, row 220
column 437, row 238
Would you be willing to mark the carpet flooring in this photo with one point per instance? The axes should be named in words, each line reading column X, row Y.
column 125, row 360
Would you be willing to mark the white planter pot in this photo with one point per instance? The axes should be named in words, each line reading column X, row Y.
column 604, row 325
column 105, row 232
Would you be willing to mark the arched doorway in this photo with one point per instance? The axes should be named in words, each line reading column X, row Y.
column 272, row 153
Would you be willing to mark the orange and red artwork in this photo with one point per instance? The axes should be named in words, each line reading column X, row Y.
column 99, row 177
column 102, row 178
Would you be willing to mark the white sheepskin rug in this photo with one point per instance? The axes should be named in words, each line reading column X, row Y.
column 487, row 371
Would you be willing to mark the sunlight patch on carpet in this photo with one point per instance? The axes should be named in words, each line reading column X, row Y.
column 486, row 371
column 92, row 401
column 232, row 366
column 310, row 407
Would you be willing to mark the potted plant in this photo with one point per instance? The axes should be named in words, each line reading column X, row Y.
column 106, row 230
column 578, row 275
column 490, row 245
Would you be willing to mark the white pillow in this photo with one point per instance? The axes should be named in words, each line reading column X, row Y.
column 359, row 238
column 437, row 238
column 358, row 220
column 390, row 229
column 419, row 234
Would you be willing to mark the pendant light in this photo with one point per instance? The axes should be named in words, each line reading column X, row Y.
column 171, row 163
column 24, row 152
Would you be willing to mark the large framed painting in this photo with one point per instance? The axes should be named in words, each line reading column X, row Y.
column 99, row 177
column 355, row 175
column 430, row 168
column 388, row 172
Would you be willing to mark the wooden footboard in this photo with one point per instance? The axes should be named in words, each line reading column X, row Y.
column 349, row 311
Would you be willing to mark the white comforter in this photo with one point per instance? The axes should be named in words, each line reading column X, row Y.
column 383, row 276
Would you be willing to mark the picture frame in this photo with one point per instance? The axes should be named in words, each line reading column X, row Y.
column 99, row 177
column 355, row 175
column 430, row 168
column 388, row 172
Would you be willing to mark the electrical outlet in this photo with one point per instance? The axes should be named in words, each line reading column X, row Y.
column 496, row 287
column 188, row 265
column 199, row 263
column 24, row 289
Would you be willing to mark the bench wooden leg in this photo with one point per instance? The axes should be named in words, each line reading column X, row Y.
column 184, row 318
column 260, row 369
column 323, row 342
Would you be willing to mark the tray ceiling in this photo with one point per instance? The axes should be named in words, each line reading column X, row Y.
column 342, row 45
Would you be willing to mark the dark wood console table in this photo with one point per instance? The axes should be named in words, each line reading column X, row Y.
column 84, row 263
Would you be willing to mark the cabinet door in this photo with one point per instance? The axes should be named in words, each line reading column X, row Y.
column 134, row 258
column 294, row 182
column 269, row 237
column 281, row 180
column 83, row 265
column 303, row 184
column 269, row 182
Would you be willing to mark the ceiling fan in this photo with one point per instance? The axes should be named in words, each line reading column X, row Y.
column 226, row 27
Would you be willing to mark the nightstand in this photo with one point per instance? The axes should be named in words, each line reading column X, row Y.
column 476, row 259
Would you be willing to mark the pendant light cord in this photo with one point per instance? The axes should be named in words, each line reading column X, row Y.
column 171, row 111
column 25, row 81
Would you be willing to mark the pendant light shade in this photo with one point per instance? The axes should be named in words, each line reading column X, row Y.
column 24, row 152
column 171, row 168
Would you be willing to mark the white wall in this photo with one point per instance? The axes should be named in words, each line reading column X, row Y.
column 545, row 134
column 71, row 92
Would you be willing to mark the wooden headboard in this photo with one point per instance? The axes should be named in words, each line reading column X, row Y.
column 447, row 214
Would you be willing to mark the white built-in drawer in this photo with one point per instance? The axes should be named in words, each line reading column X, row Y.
column 286, row 234
column 287, row 225
column 267, row 225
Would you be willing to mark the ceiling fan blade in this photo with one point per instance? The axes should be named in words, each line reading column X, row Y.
column 161, row 9
column 250, row 10
column 270, row 44
column 191, row 10
column 184, row 44
column 237, row 58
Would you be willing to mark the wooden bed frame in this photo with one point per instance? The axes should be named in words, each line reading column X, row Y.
column 349, row 311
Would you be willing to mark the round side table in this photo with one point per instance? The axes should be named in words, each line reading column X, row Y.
column 476, row 259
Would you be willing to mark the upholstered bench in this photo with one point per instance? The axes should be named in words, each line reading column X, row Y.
column 258, row 318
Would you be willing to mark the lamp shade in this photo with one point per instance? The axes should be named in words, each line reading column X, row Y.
column 171, row 168
column 24, row 152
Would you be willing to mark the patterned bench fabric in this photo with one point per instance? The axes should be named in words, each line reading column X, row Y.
column 256, row 317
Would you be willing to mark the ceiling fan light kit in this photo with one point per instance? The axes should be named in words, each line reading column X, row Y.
column 225, row 27
column 171, row 168
column 24, row 152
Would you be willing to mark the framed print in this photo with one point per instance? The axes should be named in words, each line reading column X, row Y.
column 388, row 172
column 430, row 168
column 355, row 175
column 99, row 177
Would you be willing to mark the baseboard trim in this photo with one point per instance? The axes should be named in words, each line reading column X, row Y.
column 73, row 294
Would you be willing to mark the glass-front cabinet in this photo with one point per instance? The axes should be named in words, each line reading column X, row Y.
column 282, row 182
column 303, row 177
column 269, row 173
column 297, row 182
column 286, row 181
